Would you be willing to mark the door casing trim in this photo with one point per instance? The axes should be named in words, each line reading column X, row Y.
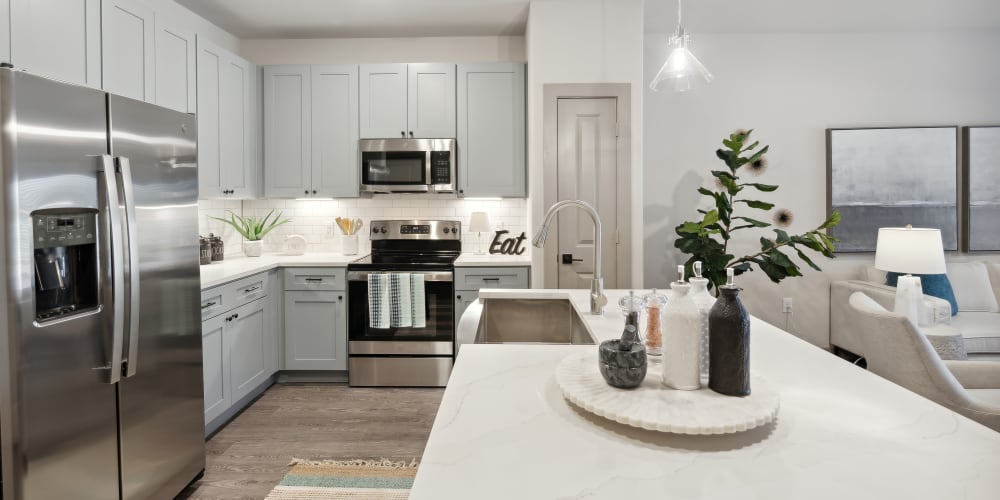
column 621, row 92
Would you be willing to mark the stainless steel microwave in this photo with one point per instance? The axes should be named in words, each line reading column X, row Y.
column 407, row 165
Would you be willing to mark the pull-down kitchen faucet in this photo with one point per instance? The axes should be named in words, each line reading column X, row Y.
column 597, row 298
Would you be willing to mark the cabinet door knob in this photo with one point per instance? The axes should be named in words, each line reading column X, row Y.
column 411, row 133
column 314, row 191
column 307, row 191
column 459, row 297
column 402, row 134
column 237, row 315
column 340, row 297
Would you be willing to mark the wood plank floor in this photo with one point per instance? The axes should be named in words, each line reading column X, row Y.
column 313, row 421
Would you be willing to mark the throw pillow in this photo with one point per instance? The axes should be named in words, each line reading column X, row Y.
column 971, row 283
column 935, row 285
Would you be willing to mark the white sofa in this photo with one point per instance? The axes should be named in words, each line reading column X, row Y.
column 977, row 291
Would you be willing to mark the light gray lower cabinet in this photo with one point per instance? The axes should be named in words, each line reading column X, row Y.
column 216, row 366
column 315, row 330
column 238, row 346
column 463, row 299
column 469, row 280
column 248, row 348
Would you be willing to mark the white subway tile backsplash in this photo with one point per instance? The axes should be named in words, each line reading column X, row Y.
column 313, row 219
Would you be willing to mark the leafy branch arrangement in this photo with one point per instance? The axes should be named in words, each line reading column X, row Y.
column 253, row 228
column 707, row 240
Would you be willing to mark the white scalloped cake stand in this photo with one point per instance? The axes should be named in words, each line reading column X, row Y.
column 654, row 407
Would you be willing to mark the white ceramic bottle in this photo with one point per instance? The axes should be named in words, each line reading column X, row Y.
column 681, row 338
column 704, row 300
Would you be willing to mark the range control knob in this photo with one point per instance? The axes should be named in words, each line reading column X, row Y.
column 383, row 231
column 446, row 230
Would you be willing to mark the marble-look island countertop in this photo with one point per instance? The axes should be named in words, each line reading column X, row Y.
column 504, row 431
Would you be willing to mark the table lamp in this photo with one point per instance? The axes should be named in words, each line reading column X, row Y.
column 479, row 223
column 911, row 251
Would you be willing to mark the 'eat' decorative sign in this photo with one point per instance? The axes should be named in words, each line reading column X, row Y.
column 507, row 246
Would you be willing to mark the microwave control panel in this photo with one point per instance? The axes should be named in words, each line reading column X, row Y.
column 440, row 167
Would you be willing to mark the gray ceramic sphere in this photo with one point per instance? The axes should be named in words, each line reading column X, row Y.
column 623, row 369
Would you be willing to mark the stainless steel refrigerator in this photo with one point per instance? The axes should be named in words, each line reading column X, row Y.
column 100, row 338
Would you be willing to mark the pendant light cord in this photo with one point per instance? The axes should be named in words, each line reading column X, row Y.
column 679, row 4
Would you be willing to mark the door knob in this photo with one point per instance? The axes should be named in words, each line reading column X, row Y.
column 567, row 258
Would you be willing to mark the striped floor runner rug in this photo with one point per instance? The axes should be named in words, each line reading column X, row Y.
column 351, row 479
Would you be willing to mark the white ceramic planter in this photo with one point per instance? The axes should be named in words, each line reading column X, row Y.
column 253, row 248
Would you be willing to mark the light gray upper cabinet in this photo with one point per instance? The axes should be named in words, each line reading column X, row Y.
column 58, row 39
column 175, row 66
column 335, row 131
column 227, row 124
column 311, row 131
column 383, row 100
column 407, row 100
column 315, row 330
column 128, row 57
column 491, row 136
column 287, row 137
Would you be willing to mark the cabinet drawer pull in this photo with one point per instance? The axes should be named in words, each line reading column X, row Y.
column 314, row 280
column 491, row 279
column 206, row 305
column 252, row 289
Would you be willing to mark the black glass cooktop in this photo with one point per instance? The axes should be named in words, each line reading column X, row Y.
column 384, row 260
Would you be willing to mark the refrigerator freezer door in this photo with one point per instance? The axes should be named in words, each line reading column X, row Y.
column 58, row 415
column 160, row 396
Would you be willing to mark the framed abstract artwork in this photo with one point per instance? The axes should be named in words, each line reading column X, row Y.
column 891, row 177
column 982, row 188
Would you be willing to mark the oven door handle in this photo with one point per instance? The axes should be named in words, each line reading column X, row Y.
column 428, row 276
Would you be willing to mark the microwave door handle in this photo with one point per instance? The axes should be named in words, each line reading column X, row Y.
column 428, row 180
column 132, row 246
column 110, row 182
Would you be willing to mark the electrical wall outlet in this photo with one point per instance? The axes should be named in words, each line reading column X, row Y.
column 786, row 305
column 329, row 228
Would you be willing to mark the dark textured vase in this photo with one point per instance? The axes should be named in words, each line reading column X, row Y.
column 729, row 344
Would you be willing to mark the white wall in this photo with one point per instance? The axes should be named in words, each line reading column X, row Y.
column 584, row 41
column 385, row 50
column 181, row 16
column 790, row 88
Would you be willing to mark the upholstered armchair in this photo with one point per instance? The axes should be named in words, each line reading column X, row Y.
column 896, row 350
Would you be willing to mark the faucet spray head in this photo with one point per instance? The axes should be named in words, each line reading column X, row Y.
column 539, row 240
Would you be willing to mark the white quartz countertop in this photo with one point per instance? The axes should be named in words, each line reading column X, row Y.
column 504, row 431
column 239, row 267
column 488, row 260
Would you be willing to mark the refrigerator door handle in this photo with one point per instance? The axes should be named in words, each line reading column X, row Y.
column 110, row 181
column 132, row 361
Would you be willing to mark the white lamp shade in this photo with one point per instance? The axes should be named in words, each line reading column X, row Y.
column 909, row 250
column 479, row 223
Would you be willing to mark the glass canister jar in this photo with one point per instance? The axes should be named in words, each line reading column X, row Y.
column 654, row 303
column 218, row 248
column 204, row 250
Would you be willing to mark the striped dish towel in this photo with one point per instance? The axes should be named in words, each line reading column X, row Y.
column 417, row 301
column 378, row 300
column 399, row 301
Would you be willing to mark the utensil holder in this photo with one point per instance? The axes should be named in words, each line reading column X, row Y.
column 349, row 245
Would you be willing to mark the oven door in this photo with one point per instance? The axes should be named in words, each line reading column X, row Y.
column 383, row 171
column 435, row 339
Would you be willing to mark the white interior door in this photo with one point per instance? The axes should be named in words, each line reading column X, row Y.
column 588, row 171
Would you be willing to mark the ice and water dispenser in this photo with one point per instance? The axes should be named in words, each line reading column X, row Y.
column 66, row 265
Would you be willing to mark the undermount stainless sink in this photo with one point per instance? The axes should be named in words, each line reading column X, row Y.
column 531, row 321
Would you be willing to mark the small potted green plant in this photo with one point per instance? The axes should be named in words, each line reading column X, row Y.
column 253, row 229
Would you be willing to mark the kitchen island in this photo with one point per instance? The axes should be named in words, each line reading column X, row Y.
column 504, row 431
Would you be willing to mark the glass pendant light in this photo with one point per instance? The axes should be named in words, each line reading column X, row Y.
column 682, row 70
